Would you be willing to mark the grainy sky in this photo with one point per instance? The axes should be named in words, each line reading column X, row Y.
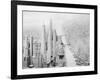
column 33, row 21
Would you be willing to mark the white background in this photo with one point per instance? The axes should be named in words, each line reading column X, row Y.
column 5, row 40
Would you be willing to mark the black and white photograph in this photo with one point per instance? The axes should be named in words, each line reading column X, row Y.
column 53, row 39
